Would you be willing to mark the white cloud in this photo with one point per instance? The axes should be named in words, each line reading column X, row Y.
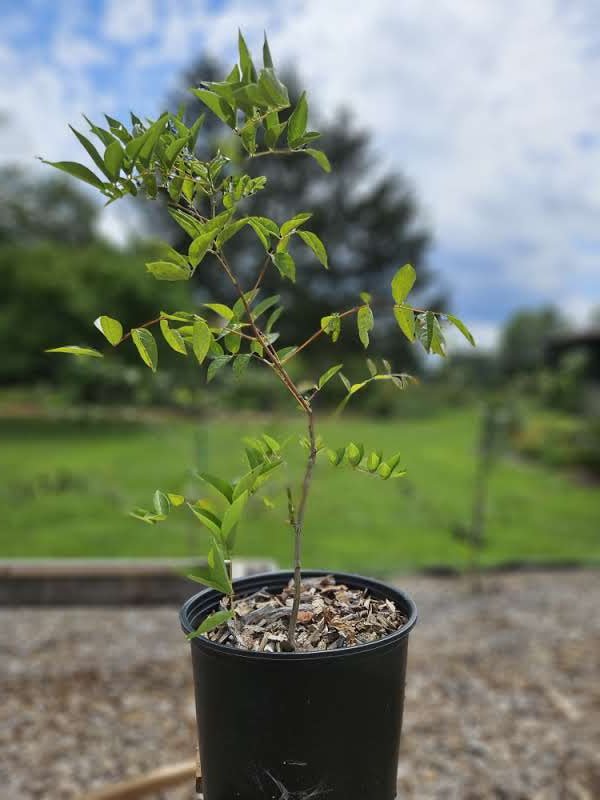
column 484, row 105
column 128, row 21
column 491, row 109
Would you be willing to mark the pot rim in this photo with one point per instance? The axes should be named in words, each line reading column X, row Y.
column 203, row 602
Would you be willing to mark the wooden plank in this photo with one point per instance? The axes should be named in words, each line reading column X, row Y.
column 153, row 782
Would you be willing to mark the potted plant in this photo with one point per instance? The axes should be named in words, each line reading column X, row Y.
column 299, row 676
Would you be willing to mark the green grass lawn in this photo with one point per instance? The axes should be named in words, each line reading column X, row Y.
column 67, row 487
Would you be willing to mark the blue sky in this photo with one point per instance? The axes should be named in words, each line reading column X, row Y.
column 492, row 110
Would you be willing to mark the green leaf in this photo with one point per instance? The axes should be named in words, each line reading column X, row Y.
column 394, row 461
column 332, row 325
column 232, row 342
column 77, row 171
column 146, row 347
column 384, row 471
column 215, row 573
column 371, row 367
column 273, row 89
column 168, row 271
column 354, row 453
column 265, row 305
column 176, row 499
column 271, row 443
column 175, row 148
column 402, row 283
column 405, row 318
column 295, row 222
column 286, row 265
column 173, row 338
column 230, row 230
column 260, row 232
column 201, row 339
column 153, row 135
column 365, row 323
column 239, row 307
column 110, row 328
column 231, row 517
column 274, row 129
column 209, row 520
column 215, row 365
column 162, row 504
column 336, row 456
column 190, row 224
column 320, row 157
column 113, row 158
column 316, row 245
column 329, row 374
column 373, row 461
column 194, row 130
column 217, row 105
column 200, row 246
column 273, row 319
column 297, row 122
column 438, row 342
column 268, row 224
column 430, row 333
column 460, row 325
column 246, row 482
column 346, row 382
column 220, row 309
column 246, row 65
column 223, row 487
column 92, row 152
column 248, row 137
column 105, row 137
column 267, row 59
column 74, row 350
column 240, row 364
column 286, row 352
column 211, row 622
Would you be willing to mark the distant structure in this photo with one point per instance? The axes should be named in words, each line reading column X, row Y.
column 586, row 345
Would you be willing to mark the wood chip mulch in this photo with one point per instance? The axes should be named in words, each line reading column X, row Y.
column 331, row 616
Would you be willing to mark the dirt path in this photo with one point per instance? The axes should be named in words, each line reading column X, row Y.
column 503, row 693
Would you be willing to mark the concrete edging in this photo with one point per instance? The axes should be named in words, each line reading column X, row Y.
column 106, row 582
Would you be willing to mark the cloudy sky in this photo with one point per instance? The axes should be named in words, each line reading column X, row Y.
column 492, row 109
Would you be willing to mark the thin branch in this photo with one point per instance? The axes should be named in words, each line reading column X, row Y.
column 277, row 365
column 298, row 528
column 278, row 152
column 144, row 325
column 318, row 333
column 291, row 509
column 261, row 275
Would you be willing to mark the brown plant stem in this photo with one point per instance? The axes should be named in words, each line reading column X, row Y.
column 298, row 528
column 298, row 516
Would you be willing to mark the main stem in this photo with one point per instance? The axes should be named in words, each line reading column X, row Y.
column 298, row 527
column 305, row 405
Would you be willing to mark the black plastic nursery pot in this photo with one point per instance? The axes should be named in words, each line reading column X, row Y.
column 294, row 726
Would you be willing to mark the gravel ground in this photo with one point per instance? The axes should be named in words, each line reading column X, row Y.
column 503, row 694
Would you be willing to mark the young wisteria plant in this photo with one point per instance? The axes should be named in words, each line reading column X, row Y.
column 206, row 198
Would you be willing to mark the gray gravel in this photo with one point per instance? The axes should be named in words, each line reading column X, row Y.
column 503, row 696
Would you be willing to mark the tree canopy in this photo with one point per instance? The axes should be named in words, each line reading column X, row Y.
column 369, row 218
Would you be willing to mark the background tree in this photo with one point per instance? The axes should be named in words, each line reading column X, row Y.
column 525, row 337
column 34, row 209
column 370, row 228
column 50, row 256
